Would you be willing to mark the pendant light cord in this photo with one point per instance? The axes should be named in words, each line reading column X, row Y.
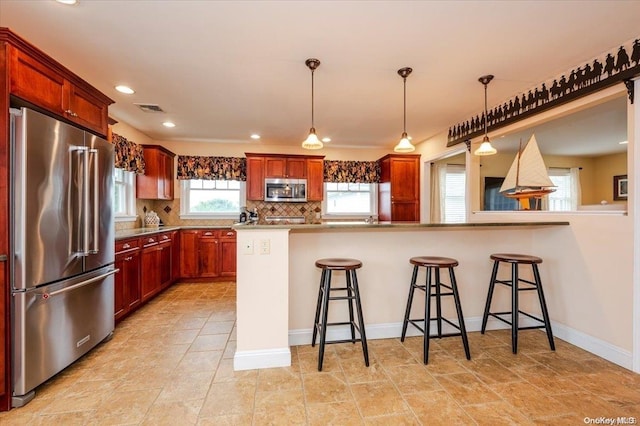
column 312, row 122
column 486, row 121
column 405, row 105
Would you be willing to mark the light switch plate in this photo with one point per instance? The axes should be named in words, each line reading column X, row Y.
column 265, row 246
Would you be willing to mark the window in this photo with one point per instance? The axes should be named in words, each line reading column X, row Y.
column 453, row 203
column 566, row 196
column 219, row 199
column 124, row 195
column 350, row 199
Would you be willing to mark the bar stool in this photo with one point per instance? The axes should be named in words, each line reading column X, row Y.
column 352, row 297
column 515, row 260
column 432, row 264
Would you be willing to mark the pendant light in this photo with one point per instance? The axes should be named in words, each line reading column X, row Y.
column 405, row 144
column 485, row 147
column 312, row 141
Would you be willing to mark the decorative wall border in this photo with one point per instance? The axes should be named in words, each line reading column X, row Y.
column 604, row 71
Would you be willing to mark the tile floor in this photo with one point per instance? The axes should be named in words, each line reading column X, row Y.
column 172, row 363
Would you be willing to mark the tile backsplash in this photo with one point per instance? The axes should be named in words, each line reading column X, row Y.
column 169, row 213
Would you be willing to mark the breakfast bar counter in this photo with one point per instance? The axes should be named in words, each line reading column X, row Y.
column 277, row 281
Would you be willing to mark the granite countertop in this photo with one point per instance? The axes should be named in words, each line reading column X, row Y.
column 137, row 232
column 395, row 225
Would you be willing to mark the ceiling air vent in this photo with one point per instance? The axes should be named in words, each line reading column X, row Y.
column 149, row 107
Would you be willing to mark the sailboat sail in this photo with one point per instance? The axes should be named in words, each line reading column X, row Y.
column 528, row 172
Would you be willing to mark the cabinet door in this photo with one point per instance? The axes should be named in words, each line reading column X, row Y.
column 189, row 253
column 35, row 82
column 404, row 179
column 147, row 184
column 131, row 277
column 227, row 253
column 165, row 183
column 150, row 274
column 296, row 168
column 83, row 108
column 120, row 304
column 402, row 211
column 175, row 256
column 315, row 180
column 275, row 167
column 208, row 255
column 255, row 178
column 164, row 266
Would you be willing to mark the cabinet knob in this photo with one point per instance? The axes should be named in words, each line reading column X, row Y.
column 126, row 246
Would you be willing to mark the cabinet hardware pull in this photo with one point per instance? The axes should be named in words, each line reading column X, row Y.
column 229, row 233
column 151, row 240
column 128, row 258
column 71, row 113
column 3, row 257
column 164, row 237
column 126, row 246
column 208, row 234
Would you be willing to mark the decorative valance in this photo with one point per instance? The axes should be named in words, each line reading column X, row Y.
column 212, row 168
column 351, row 171
column 128, row 155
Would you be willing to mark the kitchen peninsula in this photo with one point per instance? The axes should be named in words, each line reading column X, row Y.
column 277, row 281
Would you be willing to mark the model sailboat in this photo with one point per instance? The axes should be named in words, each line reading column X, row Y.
column 527, row 178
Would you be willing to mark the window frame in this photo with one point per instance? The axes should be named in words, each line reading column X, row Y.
column 185, row 191
column 129, row 195
column 373, row 204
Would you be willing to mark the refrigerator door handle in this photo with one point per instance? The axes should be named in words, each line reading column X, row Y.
column 96, row 204
column 82, row 227
column 82, row 284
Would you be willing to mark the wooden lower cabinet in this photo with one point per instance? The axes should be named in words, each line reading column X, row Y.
column 127, row 280
column 208, row 253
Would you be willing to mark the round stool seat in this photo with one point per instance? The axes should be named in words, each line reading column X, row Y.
column 434, row 261
column 337, row 263
column 515, row 258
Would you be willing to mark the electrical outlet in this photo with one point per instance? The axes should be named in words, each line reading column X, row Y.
column 248, row 247
column 265, row 246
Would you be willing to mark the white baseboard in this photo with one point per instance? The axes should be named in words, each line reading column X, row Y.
column 582, row 340
column 268, row 358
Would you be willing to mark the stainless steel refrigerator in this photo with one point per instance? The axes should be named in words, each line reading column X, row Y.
column 62, row 247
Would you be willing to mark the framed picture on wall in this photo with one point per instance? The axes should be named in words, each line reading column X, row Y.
column 620, row 188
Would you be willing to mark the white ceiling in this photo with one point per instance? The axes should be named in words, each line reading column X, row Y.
column 224, row 69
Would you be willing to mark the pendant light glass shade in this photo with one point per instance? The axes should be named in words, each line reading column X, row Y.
column 485, row 147
column 312, row 141
column 405, row 144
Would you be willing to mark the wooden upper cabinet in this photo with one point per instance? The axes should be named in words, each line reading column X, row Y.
column 43, row 82
column 255, row 178
column 157, row 181
column 399, row 189
column 315, row 179
column 261, row 166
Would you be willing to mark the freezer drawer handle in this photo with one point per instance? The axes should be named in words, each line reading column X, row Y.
column 82, row 284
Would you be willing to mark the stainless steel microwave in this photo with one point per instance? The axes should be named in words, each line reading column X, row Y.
column 285, row 190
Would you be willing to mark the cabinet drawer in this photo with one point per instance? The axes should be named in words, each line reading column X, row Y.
column 164, row 237
column 227, row 234
column 124, row 245
column 149, row 241
column 208, row 233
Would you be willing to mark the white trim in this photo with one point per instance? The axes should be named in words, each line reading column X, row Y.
column 267, row 358
column 124, row 218
column 633, row 167
column 603, row 349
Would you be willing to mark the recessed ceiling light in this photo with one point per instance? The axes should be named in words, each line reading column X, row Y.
column 169, row 124
column 326, row 139
column 69, row 2
column 125, row 89
column 255, row 136
column 623, row 142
